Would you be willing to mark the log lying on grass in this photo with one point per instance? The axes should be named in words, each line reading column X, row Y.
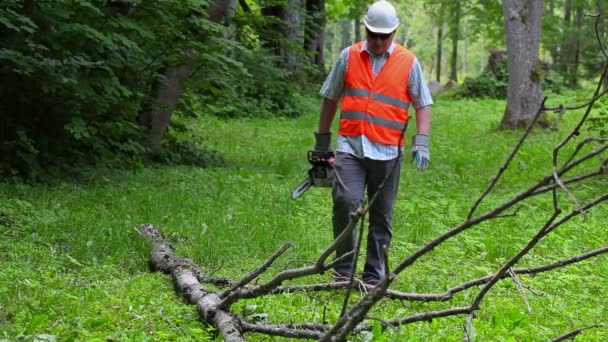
column 185, row 276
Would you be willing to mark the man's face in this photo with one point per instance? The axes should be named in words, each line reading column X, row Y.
column 378, row 43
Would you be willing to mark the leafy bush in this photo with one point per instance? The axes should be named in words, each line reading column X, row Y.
column 553, row 81
column 493, row 81
column 77, row 77
column 187, row 151
column 485, row 85
column 71, row 86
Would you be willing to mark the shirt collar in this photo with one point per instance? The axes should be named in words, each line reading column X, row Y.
column 388, row 52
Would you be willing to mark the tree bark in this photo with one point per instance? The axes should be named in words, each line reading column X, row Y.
column 314, row 36
column 345, row 26
column 576, row 46
column 157, row 117
column 455, row 35
column 28, row 7
column 601, row 7
column 272, row 34
column 293, row 33
column 439, row 49
column 168, row 93
column 522, row 20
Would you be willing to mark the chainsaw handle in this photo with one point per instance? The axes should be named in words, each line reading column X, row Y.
column 325, row 159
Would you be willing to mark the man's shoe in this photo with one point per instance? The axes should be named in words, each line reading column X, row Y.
column 371, row 281
column 341, row 276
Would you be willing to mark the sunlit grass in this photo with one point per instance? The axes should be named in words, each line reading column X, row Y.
column 72, row 266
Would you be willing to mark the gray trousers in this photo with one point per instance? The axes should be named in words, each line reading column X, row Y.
column 356, row 174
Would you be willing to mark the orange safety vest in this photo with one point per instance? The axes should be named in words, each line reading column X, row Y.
column 376, row 107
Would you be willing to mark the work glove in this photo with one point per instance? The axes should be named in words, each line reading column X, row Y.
column 420, row 151
column 323, row 142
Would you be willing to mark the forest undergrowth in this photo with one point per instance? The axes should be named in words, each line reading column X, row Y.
column 72, row 267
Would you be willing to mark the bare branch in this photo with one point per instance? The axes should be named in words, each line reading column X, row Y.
column 508, row 161
column 549, row 227
column 572, row 334
column 227, row 295
column 520, row 289
column 430, row 315
column 310, row 331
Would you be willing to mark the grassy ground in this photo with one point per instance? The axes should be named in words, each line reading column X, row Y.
column 73, row 268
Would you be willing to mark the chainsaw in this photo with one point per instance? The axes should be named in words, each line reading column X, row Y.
column 321, row 174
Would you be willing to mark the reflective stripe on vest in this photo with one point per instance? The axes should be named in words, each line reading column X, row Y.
column 376, row 107
column 378, row 97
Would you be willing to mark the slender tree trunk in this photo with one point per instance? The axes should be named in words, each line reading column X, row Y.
column 345, row 25
column 28, row 7
column 314, row 35
column 576, row 46
column 455, row 35
column 439, row 49
column 522, row 20
column 566, row 45
column 358, row 35
column 601, row 8
column 271, row 37
column 293, row 33
column 554, row 49
column 465, row 56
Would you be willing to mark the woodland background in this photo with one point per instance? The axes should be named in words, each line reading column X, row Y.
column 196, row 116
column 97, row 82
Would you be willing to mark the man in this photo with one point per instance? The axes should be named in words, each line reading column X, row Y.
column 377, row 81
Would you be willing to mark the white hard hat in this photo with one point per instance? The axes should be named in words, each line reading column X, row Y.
column 381, row 17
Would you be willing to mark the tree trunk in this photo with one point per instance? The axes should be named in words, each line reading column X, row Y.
column 566, row 48
column 314, row 32
column 283, row 35
column 601, row 7
column 293, row 33
column 455, row 35
column 167, row 94
column 465, row 56
column 524, row 94
column 28, row 7
column 439, row 48
column 271, row 37
column 554, row 48
column 345, row 25
column 576, row 46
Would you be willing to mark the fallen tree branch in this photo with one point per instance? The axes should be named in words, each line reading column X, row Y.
column 184, row 273
column 572, row 334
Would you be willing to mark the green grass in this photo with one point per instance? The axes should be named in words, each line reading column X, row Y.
column 72, row 266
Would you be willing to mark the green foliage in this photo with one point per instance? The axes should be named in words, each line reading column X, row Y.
column 484, row 85
column 186, row 149
column 492, row 83
column 599, row 119
column 255, row 86
column 71, row 88
column 486, row 20
column 78, row 77
column 72, row 267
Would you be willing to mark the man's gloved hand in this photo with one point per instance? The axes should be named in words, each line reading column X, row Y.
column 420, row 151
column 323, row 142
